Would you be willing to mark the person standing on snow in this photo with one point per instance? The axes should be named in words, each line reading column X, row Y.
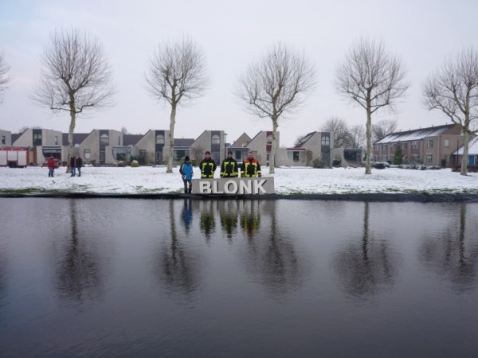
column 251, row 167
column 229, row 167
column 51, row 166
column 207, row 166
column 186, row 170
column 78, row 164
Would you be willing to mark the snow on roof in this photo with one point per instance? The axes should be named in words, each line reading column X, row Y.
column 415, row 134
column 472, row 147
column 304, row 139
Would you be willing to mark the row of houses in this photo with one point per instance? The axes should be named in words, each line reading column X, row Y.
column 438, row 146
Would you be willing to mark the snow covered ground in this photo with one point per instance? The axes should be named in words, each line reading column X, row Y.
column 144, row 180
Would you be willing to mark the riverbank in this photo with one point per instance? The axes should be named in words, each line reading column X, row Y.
column 391, row 184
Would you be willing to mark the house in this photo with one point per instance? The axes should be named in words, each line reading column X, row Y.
column 41, row 143
column 5, row 138
column 472, row 153
column 239, row 147
column 181, row 149
column 97, row 147
column 151, row 148
column 431, row 146
column 212, row 141
column 261, row 146
column 312, row 149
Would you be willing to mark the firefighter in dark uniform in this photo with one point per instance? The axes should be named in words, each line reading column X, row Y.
column 207, row 166
column 251, row 167
column 229, row 167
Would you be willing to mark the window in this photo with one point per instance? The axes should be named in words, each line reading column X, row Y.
column 430, row 143
column 269, row 139
column 56, row 140
column 429, row 159
column 325, row 139
column 37, row 139
column 215, row 139
column 237, row 155
column 87, row 154
column 415, row 144
column 4, row 140
column 295, row 156
column 160, row 139
column 104, row 139
column 446, row 142
column 384, row 147
column 404, row 145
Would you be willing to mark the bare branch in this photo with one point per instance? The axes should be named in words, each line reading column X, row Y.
column 454, row 90
column 177, row 75
column 4, row 78
column 342, row 135
column 275, row 86
column 373, row 79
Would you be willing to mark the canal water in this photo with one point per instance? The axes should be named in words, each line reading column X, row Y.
column 160, row 278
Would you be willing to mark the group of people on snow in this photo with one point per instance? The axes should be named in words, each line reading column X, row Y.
column 76, row 163
column 250, row 168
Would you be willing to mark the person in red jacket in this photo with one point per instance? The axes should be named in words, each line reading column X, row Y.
column 51, row 166
column 251, row 167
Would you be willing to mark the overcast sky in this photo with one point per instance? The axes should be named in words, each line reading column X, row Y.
column 232, row 34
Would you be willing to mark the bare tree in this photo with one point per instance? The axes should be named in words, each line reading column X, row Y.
column 177, row 75
column 342, row 136
column 75, row 77
column 357, row 134
column 454, row 90
column 383, row 128
column 374, row 79
column 276, row 85
column 4, row 78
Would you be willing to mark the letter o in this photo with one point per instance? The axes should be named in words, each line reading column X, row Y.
column 228, row 184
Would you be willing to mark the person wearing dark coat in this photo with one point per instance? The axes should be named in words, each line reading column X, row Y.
column 251, row 167
column 78, row 164
column 207, row 166
column 229, row 167
column 72, row 166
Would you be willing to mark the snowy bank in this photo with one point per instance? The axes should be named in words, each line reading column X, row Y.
column 288, row 181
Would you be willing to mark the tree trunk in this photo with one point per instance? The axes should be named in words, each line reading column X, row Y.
column 272, row 157
column 172, row 122
column 464, row 159
column 368, row 164
column 70, row 136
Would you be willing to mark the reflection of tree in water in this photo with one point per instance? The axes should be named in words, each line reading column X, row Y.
column 3, row 269
column 366, row 266
column 450, row 256
column 187, row 215
column 228, row 213
column 79, row 272
column 178, row 268
column 271, row 254
column 207, row 221
column 250, row 218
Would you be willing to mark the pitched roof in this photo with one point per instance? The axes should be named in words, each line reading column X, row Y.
column 472, row 147
column 415, row 134
column 131, row 139
column 239, row 142
column 15, row 136
column 78, row 138
column 183, row 142
column 304, row 139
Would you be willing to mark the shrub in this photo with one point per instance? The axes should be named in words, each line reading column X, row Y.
column 134, row 163
column 336, row 163
column 317, row 163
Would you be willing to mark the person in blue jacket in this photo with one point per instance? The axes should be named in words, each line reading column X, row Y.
column 186, row 170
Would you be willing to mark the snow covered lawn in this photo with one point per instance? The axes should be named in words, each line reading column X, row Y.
column 144, row 180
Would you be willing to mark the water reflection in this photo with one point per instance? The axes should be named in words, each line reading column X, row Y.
column 366, row 265
column 78, row 273
column 271, row 256
column 451, row 255
column 187, row 215
column 228, row 213
column 207, row 220
column 178, row 267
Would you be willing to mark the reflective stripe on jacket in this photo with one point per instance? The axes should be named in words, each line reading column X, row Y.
column 229, row 168
column 207, row 166
column 251, row 168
